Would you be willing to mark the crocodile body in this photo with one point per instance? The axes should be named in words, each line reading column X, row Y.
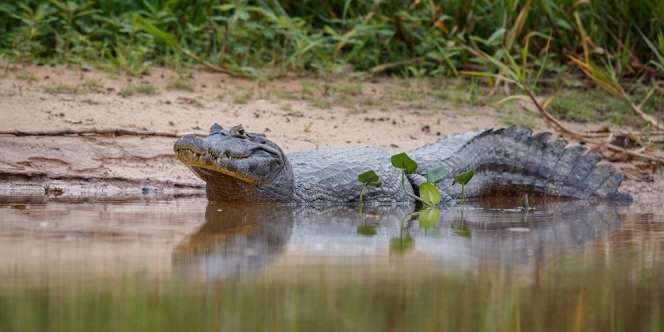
column 240, row 166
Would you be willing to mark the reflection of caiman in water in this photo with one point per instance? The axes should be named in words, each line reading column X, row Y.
column 244, row 239
column 235, row 239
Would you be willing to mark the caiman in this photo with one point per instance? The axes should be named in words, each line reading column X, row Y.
column 242, row 166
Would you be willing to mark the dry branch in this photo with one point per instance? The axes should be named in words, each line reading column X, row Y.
column 611, row 85
column 584, row 138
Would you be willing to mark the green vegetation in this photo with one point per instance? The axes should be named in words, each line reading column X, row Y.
column 368, row 179
column 87, row 86
column 412, row 38
column 519, row 118
column 182, row 84
column 584, row 293
column 26, row 76
column 429, row 194
column 463, row 179
column 61, row 88
column 139, row 89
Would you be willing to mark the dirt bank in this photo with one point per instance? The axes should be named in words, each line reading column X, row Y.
column 298, row 114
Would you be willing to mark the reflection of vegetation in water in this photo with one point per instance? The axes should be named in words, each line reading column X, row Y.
column 563, row 276
column 404, row 242
column 428, row 219
column 624, row 295
column 459, row 226
column 429, row 196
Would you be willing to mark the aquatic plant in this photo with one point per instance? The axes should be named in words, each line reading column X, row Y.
column 429, row 194
column 463, row 179
column 368, row 179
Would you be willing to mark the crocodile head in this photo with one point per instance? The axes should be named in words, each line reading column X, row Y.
column 237, row 165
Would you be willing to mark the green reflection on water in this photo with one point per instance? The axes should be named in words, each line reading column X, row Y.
column 623, row 296
column 562, row 276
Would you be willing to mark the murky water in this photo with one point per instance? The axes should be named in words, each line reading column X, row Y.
column 183, row 265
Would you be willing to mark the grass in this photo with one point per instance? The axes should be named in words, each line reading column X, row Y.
column 243, row 97
column 61, row 88
column 408, row 38
column 519, row 118
column 139, row 89
column 91, row 85
column 87, row 86
column 587, row 106
column 26, row 76
column 181, row 84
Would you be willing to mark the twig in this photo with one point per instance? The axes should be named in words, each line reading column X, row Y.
column 613, row 87
column 552, row 119
column 637, row 109
column 93, row 132
column 581, row 137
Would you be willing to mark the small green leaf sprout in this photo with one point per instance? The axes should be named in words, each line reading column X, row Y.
column 436, row 174
column 463, row 179
column 403, row 162
column 429, row 194
column 368, row 179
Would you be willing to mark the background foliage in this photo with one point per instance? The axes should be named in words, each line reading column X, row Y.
column 416, row 37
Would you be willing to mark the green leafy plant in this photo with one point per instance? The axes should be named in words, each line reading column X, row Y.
column 463, row 179
column 429, row 194
column 368, row 179
column 434, row 175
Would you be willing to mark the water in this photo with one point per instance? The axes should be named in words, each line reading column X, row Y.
column 183, row 265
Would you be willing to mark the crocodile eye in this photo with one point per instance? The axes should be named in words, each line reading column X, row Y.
column 238, row 132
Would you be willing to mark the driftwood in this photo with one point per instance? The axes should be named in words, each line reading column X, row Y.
column 94, row 132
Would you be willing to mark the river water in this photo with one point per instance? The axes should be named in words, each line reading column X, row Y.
column 183, row 265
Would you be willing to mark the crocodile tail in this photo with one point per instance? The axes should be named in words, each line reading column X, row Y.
column 513, row 159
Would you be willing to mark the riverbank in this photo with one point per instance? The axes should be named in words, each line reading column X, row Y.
column 297, row 113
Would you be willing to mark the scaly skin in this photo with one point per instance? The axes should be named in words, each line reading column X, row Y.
column 239, row 166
